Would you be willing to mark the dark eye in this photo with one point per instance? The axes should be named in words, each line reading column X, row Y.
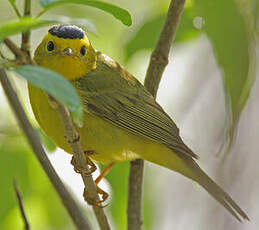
column 82, row 51
column 50, row 46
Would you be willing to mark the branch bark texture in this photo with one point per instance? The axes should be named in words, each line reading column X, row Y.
column 157, row 64
column 73, row 139
column 159, row 57
column 73, row 209
column 26, row 35
column 14, row 48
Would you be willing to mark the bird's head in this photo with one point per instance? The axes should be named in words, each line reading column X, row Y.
column 66, row 50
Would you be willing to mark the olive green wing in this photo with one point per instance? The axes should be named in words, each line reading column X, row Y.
column 127, row 104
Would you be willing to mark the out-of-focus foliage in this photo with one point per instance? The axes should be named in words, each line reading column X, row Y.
column 226, row 29
column 12, row 1
column 24, row 24
column 117, row 12
column 118, row 180
column 147, row 35
column 41, row 202
column 48, row 143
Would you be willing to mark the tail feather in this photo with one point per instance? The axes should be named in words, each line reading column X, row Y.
column 217, row 192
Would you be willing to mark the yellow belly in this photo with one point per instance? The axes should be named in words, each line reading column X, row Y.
column 110, row 143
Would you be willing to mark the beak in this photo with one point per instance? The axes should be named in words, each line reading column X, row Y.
column 68, row 51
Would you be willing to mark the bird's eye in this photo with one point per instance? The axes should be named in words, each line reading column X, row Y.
column 83, row 50
column 50, row 46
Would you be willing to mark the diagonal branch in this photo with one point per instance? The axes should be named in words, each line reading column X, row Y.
column 15, row 9
column 26, row 35
column 73, row 139
column 73, row 209
column 157, row 64
column 14, row 48
column 21, row 207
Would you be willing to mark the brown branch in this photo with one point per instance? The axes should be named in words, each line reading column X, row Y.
column 21, row 207
column 159, row 57
column 26, row 35
column 135, row 194
column 14, row 48
column 74, row 211
column 157, row 64
column 73, row 139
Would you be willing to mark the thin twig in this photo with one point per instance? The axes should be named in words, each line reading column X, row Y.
column 157, row 64
column 2, row 55
column 14, row 48
column 21, row 207
column 73, row 209
column 26, row 35
column 41, row 13
column 15, row 9
column 73, row 139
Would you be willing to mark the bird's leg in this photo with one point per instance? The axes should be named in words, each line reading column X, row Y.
column 90, row 164
column 104, row 195
column 104, row 173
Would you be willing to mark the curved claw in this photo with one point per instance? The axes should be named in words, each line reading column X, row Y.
column 81, row 170
column 97, row 202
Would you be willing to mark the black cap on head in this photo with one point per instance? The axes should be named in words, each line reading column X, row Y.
column 71, row 32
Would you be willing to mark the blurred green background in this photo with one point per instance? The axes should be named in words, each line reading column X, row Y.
column 210, row 80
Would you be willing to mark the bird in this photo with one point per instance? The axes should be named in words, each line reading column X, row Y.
column 122, row 120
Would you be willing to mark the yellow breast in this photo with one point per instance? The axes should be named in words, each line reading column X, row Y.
column 109, row 142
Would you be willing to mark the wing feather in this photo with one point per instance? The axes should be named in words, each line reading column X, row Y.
column 128, row 105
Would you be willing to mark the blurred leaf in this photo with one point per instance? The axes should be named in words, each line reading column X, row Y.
column 48, row 143
column 55, row 85
column 24, row 24
column 118, row 178
column 83, row 23
column 117, row 12
column 147, row 35
column 227, row 32
column 17, row 160
column 12, row 1
column 14, row 161
column 53, row 211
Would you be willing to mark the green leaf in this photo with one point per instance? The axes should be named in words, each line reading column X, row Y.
column 17, row 160
column 24, row 24
column 12, row 1
column 148, row 33
column 48, row 143
column 55, row 85
column 119, row 13
column 226, row 29
column 118, row 178
column 14, row 159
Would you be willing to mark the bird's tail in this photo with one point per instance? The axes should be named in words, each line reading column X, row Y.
column 189, row 168
column 216, row 191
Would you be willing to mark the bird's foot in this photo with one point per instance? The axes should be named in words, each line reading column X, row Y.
column 76, row 139
column 90, row 164
column 97, row 202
